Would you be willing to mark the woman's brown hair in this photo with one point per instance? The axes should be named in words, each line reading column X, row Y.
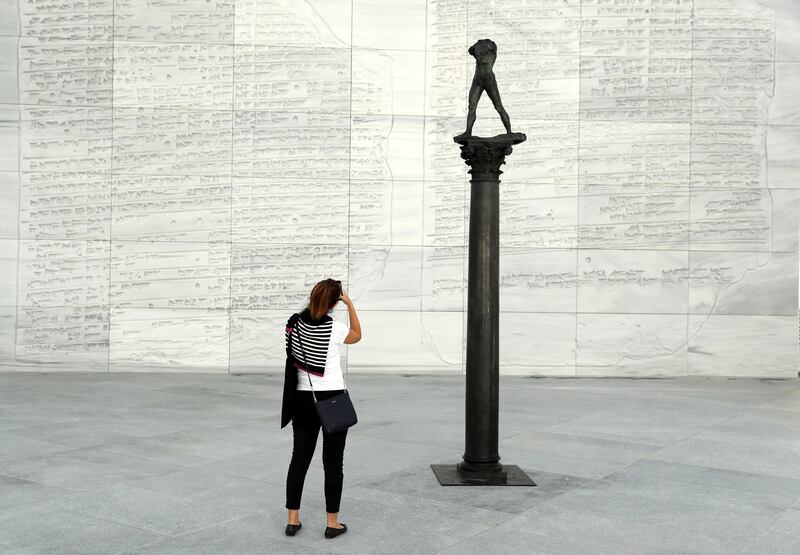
column 324, row 295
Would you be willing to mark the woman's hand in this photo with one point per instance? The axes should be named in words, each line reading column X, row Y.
column 345, row 299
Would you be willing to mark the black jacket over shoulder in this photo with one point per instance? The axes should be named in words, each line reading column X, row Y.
column 290, row 377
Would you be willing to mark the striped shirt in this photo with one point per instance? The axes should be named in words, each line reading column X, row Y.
column 321, row 340
column 313, row 343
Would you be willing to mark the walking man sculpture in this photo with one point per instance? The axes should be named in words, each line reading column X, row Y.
column 485, row 53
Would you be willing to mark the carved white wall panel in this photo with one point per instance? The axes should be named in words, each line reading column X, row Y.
column 168, row 339
column 631, row 344
column 537, row 280
column 419, row 341
column 632, row 281
column 746, row 283
column 386, row 277
column 175, row 177
column 739, row 345
column 538, row 343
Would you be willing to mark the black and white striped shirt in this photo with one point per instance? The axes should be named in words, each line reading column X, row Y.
column 324, row 365
column 310, row 349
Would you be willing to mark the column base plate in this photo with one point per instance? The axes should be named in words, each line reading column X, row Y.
column 512, row 475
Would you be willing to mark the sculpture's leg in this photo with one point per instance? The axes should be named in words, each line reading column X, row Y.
column 475, row 92
column 494, row 95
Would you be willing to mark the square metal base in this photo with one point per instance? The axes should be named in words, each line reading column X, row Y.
column 512, row 475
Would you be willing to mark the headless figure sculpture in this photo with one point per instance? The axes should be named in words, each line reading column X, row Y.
column 485, row 53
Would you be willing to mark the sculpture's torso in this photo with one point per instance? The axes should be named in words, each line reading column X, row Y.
column 485, row 53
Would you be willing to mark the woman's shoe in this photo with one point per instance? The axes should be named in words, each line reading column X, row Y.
column 291, row 529
column 333, row 532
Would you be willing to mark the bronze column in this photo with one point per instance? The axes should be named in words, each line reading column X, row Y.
column 481, row 460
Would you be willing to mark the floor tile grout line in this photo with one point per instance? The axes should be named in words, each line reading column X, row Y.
column 110, row 521
column 67, row 493
column 171, row 537
column 673, row 479
column 780, row 396
column 699, row 432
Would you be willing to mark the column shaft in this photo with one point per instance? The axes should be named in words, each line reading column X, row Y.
column 483, row 334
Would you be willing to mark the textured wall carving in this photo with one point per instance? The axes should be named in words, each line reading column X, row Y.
column 174, row 177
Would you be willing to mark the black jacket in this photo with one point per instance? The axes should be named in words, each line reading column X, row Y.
column 289, row 379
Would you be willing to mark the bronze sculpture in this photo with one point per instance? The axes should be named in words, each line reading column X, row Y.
column 485, row 53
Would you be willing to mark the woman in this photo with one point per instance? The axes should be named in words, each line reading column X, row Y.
column 321, row 337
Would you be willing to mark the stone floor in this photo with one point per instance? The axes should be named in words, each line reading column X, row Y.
column 195, row 463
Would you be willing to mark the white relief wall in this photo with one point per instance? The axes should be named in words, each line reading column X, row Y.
column 175, row 177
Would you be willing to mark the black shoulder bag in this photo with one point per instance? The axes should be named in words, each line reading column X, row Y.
column 336, row 413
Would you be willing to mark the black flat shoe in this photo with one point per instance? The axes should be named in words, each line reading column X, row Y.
column 291, row 529
column 333, row 532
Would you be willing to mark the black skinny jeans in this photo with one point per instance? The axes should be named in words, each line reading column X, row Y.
column 305, row 427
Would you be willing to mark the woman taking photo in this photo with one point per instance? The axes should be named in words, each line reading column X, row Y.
column 314, row 337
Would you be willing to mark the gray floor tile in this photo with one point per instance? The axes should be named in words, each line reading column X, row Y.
column 590, row 448
column 267, row 464
column 365, row 456
column 145, row 509
column 412, row 504
column 588, row 457
column 47, row 528
column 26, row 416
column 695, row 493
column 767, row 459
column 789, row 402
column 773, row 543
column 69, row 434
column 723, row 521
column 788, row 522
column 15, row 446
column 205, row 486
column 82, row 469
column 190, row 447
column 245, row 536
column 702, row 476
column 495, row 542
column 645, row 428
column 602, row 532
column 16, row 492
column 756, row 427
